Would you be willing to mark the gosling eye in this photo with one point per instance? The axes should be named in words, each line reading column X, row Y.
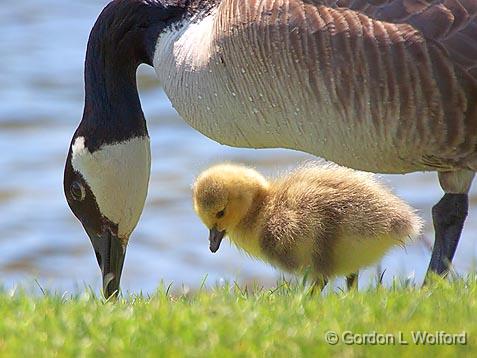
column 220, row 214
column 77, row 191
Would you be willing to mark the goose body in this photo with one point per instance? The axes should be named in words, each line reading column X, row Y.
column 387, row 86
column 334, row 82
column 327, row 220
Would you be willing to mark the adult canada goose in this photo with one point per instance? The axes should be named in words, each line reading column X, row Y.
column 382, row 86
column 327, row 220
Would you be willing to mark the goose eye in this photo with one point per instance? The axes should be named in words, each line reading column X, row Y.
column 77, row 191
column 220, row 214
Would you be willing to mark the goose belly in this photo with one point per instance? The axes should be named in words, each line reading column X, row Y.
column 269, row 114
column 246, row 95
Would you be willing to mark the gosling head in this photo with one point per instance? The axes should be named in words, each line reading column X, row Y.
column 223, row 195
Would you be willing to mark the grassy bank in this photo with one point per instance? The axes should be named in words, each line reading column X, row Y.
column 234, row 321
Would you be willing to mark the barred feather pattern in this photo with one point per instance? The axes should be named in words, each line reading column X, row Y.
column 384, row 86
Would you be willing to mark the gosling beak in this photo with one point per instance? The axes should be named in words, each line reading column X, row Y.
column 215, row 238
column 110, row 253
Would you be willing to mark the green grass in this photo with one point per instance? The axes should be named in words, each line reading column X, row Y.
column 233, row 321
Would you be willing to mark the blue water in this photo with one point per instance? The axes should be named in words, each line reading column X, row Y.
column 42, row 45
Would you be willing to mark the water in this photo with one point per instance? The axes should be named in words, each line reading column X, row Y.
column 42, row 45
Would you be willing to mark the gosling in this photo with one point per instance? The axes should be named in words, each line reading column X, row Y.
column 326, row 220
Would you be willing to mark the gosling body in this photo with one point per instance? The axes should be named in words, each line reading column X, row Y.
column 328, row 219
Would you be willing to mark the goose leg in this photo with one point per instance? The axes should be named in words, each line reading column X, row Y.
column 352, row 281
column 448, row 216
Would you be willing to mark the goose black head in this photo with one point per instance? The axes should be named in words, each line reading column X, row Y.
column 108, row 164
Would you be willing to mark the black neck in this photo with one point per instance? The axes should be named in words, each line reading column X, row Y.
column 123, row 37
column 110, row 89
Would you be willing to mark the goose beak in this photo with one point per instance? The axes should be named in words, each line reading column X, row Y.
column 215, row 238
column 110, row 253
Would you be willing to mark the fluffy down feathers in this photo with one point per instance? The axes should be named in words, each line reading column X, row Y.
column 323, row 218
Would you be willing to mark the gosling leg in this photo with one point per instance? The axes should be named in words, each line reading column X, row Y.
column 318, row 285
column 352, row 281
column 448, row 216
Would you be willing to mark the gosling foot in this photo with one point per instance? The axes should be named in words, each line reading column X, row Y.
column 318, row 286
column 352, row 281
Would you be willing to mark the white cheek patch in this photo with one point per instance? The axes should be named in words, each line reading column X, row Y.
column 118, row 175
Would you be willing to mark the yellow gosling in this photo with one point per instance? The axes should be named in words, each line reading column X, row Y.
column 326, row 219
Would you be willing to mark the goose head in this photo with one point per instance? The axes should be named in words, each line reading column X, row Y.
column 108, row 163
column 223, row 195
